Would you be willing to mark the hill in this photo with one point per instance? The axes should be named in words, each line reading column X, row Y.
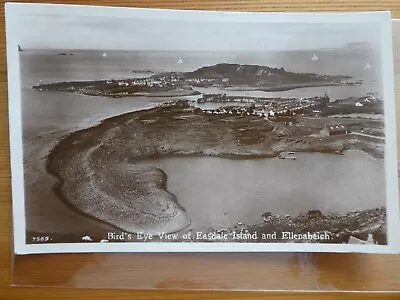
column 251, row 75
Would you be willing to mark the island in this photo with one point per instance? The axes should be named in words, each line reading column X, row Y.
column 245, row 77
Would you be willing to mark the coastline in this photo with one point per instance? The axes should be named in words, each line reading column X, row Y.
column 96, row 166
column 44, row 210
column 102, row 89
column 173, row 84
column 172, row 93
column 287, row 87
column 177, row 218
column 339, row 228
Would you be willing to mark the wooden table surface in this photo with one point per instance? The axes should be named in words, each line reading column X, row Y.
column 190, row 271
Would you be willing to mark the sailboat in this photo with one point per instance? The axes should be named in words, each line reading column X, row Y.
column 367, row 66
column 180, row 60
column 315, row 57
column 104, row 54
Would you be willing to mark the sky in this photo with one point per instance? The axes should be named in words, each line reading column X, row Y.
column 83, row 32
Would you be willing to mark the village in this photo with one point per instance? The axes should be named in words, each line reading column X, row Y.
column 264, row 107
column 147, row 82
column 320, row 111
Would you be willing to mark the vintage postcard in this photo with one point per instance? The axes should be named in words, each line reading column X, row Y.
column 138, row 130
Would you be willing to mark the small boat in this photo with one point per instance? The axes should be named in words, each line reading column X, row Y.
column 367, row 66
column 315, row 57
column 104, row 54
column 287, row 155
column 180, row 61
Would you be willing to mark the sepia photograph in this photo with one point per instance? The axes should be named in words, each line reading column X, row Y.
column 159, row 130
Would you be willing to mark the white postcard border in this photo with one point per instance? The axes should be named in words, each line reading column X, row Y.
column 14, row 11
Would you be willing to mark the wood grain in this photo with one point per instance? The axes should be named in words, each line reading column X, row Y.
column 190, row 271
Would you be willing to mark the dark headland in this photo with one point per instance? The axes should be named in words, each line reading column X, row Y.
column 99, row 176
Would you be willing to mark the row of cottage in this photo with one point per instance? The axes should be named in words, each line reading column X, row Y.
column 263, row 110
column 148, row 82
column 240, row 110
column 329, row 129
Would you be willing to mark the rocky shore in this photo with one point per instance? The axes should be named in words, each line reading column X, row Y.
column 365, row 226
column 116, row 89
column 339, row 227
column 99, row 175
column 310, row 227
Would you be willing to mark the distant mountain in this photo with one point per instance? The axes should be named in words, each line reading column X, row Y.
column 359, row 45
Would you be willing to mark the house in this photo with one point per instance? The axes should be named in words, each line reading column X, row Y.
column 359, row 104
column 333, row 129
column 259, row 111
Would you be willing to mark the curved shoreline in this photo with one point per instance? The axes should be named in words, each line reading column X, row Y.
column 99, row 179
column 178, row 222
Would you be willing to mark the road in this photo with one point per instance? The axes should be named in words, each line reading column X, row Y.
column 368, row 135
